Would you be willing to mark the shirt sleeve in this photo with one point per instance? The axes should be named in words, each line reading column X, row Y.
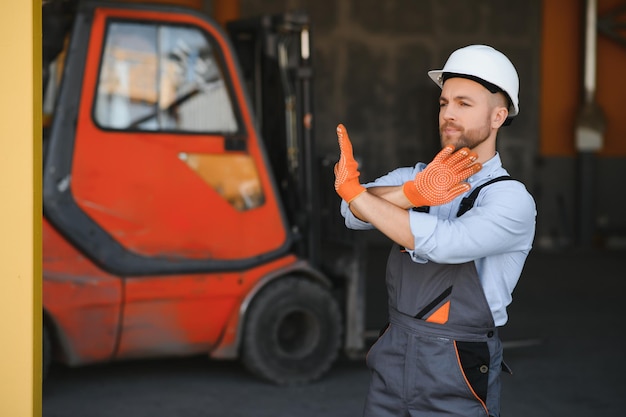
column 396, row 177
column 502, row 220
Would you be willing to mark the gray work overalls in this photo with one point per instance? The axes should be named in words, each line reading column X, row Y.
column 440, row 355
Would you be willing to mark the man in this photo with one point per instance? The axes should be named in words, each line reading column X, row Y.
column 451, row 271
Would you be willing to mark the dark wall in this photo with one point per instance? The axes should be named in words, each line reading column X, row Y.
column 371, row 59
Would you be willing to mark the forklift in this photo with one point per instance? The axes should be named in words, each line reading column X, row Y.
column 181, row 194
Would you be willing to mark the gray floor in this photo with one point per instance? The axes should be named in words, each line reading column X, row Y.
column 566, row 343
column 573, row 303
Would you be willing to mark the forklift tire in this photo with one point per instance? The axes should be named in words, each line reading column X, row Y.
column 293, row 332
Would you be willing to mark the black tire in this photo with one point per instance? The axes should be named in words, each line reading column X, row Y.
column 46, row 351
column 292, row 333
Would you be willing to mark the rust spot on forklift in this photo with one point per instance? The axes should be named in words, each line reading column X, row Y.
column 79, row 280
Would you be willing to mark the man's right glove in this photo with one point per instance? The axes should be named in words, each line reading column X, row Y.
column 347, row 173
column 442, row 180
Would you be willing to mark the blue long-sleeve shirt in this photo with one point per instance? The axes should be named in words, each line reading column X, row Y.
column 497, row 233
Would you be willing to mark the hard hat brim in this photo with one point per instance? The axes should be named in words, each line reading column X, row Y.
column 438, row 78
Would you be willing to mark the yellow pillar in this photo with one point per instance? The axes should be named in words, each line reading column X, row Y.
column 20, row 208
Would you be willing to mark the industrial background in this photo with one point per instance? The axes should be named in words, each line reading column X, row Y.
column 371, row 58
column 370, row 62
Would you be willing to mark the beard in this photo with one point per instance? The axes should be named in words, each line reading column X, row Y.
column 469, row 138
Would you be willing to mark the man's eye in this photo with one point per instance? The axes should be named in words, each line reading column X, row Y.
column 442, row 105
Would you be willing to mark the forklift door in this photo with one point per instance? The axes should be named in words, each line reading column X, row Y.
column 166, row 173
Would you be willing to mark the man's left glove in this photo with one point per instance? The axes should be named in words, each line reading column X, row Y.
column 442, row 180
column 347, row 174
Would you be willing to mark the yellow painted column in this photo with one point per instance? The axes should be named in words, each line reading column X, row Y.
column 20, row 208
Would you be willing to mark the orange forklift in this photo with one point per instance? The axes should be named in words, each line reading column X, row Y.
column 180, row 194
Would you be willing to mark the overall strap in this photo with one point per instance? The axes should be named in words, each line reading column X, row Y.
column 468, row 202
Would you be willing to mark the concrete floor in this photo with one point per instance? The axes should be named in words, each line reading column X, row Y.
column 565, row 341
column 574, row 304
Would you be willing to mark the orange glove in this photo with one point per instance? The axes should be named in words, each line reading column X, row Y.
column 347, row 182
column 441, row 181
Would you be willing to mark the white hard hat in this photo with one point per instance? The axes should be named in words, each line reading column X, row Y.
column 485, row 65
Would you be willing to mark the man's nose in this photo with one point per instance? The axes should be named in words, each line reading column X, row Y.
column 447, row 113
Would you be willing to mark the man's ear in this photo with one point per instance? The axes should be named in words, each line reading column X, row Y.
column 499, row 116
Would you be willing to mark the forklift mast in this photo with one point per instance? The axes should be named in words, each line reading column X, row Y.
column 274, row 52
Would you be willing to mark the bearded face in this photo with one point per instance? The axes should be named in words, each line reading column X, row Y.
column 459, row 136
column 466, row 109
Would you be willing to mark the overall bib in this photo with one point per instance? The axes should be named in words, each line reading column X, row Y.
column 440, row 354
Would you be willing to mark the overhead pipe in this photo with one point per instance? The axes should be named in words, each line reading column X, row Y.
column 591, row 18
column 589, row 132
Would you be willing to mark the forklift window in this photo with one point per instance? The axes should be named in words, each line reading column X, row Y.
column 161, row 78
